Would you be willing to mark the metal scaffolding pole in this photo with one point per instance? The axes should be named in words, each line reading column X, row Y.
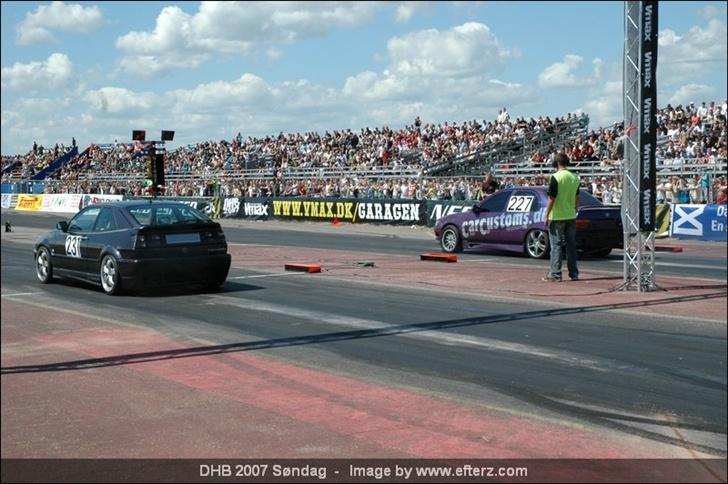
column 638, row 178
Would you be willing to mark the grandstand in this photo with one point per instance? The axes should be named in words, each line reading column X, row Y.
column 423, row 161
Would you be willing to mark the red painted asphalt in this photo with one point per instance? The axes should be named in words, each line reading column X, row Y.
column 240, row 404
column 687, row 297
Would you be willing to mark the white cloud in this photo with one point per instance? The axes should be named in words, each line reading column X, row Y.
column 406, row 10
column 247, row 92
column 54, row 72
column 696, row 93
column 606, row 108
column 467, row 49
column 562, row 74
column 182, row 40
column 38, row 26
column 424, row 81
column 712, row 11
column 690, row 56
column 273, row 54
column 440, row 75
column 120, row 101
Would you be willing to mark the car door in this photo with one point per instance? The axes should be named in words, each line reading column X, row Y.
column 75, row 251
column 489, row 223
column 103, row 233
column 519, row 215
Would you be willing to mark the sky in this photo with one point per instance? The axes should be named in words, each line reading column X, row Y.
column 208, row 70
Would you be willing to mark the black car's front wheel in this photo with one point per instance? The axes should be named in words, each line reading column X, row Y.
column 110, row 278
column 537, row 244
column 43, row 266
column 450, row 240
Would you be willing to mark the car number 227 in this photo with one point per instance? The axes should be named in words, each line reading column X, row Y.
column 73, row 246
column 520, row 204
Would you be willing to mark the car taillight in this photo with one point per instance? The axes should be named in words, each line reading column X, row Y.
column 214, row 235
column 583, row 223
column 142, row 241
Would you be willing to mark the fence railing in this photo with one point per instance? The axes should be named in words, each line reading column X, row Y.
column 679, row 167
column 486, row 156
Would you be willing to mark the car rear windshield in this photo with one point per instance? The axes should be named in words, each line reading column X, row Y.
column 160, row 215
column 586, row 199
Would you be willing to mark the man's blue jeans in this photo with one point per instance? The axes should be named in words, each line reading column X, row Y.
column 562, row 235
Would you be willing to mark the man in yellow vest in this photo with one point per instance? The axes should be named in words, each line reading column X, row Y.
column 563, row 195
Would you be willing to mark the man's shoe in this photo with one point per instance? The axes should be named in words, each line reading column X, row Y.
column 575, row 278
column 551, row 279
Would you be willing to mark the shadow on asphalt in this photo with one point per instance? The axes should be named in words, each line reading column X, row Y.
column 616, row 421
column 133, row 358
column 162, row 292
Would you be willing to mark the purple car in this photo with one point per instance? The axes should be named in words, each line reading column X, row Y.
column 513, row 220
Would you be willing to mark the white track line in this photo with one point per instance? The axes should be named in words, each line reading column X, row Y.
column 19, row 294
column 438, row 336
column 276, row 274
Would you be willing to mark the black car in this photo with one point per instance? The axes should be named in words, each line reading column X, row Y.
column 135, row 244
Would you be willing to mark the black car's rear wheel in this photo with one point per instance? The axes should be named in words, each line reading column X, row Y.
column 537, row 244
column 43, row 266
column 450, row 240
column 110, row 278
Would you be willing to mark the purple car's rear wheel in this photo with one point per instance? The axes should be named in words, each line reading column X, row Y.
column 537, row 244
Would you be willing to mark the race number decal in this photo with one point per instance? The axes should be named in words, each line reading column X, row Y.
column 73, row 246
column 520, row 203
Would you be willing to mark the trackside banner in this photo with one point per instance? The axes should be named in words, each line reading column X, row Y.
column 61, row 202
column 648, row 94
column 205, row 205
column 662, row 219
column 436, row 209
column 30, row 203
column 405, row 212
column 7, row 200
column 702, row 222
column 93, row 199
column 251, row 208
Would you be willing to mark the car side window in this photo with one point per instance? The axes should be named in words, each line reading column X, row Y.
column 496, row 202
column 84, row 221
column 105, row 221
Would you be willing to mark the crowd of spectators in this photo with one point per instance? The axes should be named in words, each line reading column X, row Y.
column 414, row 147
column 689, row 133
column 38, row 158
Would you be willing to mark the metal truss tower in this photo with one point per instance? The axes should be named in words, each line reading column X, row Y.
column 638, row 181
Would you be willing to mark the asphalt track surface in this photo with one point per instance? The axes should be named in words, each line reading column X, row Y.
column 658, row 382
column 667, row 263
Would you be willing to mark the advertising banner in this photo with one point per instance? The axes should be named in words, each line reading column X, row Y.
column 251, row 208
column 6, row 200
column 701, row 222
column 436, row 209
column 29, row 203
column 61, row 202
column 204, row 205
column 94, row 198
column 662, row 220
column 406, row 212
column 648, row 129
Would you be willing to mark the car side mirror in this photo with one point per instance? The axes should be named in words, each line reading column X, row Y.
column 476, row 208
column 62, row 226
